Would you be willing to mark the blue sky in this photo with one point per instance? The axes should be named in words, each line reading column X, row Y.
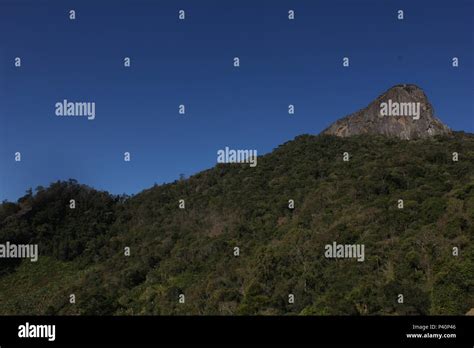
column 191, row 62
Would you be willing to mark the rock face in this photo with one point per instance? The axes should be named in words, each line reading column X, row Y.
column 403, row 111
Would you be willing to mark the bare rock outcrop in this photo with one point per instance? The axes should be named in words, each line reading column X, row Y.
column 403, row 111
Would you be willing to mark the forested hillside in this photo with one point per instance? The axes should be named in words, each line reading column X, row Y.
column 191, row 251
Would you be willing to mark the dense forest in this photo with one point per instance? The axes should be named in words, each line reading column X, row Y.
column 191, row 251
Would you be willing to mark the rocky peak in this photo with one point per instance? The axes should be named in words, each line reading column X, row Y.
column 403, row 111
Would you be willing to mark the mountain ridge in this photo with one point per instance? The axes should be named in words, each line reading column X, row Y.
column 190, row 251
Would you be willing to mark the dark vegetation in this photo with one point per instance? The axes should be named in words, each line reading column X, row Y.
column 407, row 251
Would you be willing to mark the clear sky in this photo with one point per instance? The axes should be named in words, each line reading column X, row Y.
column 191, row 62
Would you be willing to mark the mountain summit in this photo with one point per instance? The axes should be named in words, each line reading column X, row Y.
column 403, row 112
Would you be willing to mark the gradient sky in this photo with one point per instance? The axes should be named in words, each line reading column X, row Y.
column 191, row 62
